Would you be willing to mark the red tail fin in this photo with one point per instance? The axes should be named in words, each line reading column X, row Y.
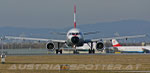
column 74, row 16
column 115, row 43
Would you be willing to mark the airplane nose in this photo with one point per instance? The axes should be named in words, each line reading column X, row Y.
column 75, row 40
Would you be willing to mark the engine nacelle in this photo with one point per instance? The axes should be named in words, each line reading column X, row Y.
column 50, row 46
column 99, row 46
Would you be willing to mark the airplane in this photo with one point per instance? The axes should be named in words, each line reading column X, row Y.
column 130, row 49
column 74, row 38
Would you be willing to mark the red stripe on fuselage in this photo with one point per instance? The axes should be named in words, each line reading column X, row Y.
column 117, row 45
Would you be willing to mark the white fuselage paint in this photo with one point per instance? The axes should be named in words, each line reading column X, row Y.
column 133, row 48
column 87, row 46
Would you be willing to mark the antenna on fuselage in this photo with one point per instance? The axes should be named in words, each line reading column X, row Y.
column 74, row 16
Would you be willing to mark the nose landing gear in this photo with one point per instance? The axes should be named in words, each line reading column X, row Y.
column 75, row 50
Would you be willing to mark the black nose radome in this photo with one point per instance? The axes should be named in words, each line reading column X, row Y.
column 75, row 40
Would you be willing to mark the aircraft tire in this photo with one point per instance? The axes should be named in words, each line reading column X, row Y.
column 57, row 51
column 93, row 51
column 60, row 51
column 89, row 51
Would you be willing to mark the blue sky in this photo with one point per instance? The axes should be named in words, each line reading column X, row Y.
column 59, row 13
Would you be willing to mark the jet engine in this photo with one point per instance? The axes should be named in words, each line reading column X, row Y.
column 99, row 46
column 50, row 46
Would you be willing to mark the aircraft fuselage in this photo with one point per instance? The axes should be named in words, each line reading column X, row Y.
column 75, row 37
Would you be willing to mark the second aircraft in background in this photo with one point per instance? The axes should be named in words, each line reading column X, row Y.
column 130, row 49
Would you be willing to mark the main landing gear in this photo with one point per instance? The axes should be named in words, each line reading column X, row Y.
column 58, row 50
column 91, row 50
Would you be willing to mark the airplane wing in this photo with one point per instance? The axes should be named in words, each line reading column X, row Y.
column 63, row 41
column 33, row 39
column 92, row 32
column 121, row 37
column 59, row 33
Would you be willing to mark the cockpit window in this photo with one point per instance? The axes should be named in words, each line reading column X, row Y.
column 74, row 33
column 77, row 33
